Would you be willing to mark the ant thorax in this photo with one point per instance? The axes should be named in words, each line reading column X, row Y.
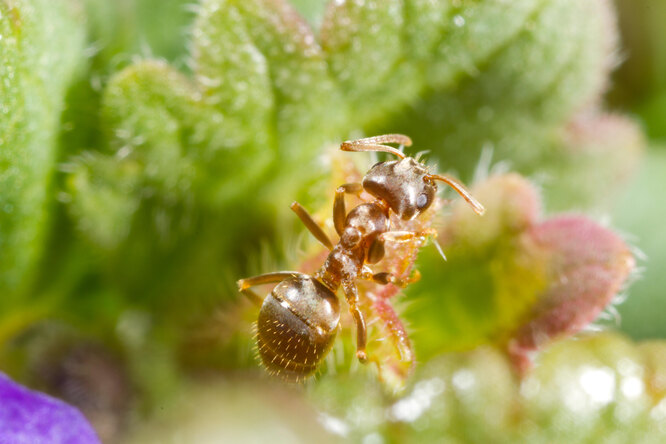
column 364, row 224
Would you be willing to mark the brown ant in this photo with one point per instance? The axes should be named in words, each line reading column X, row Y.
column 299, row 319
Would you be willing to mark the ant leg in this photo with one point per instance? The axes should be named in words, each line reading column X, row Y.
column 311, row 225
column 253, row 296
column 376, row 251
column 385, row 278
column 339, row 211
column 351, row 293
column 406, row 236
column 268, row 278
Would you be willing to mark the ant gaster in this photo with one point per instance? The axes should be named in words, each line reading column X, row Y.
column 299, row 319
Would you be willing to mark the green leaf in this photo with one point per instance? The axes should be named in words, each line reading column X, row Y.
column 364, row 47
column 596, row 388
column 260, row 61
column 41, row 48
column 511, row 278
column 506, row 77
column 264, row 91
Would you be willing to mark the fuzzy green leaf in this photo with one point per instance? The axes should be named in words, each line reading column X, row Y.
column 506, row 77
column 512, row 278
column 40, row 50
column 597, row 388
column 259, row 60
column 265, row 92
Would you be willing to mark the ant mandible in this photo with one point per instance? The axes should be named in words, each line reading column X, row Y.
column 299, row 319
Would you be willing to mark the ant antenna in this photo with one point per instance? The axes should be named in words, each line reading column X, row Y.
column 460, row 189
column 376, row 144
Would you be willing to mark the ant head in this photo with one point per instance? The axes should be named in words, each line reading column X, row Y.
column 403, row 184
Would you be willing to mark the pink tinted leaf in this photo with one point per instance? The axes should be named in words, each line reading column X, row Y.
column 586, row 267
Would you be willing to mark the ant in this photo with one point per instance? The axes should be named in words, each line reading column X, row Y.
column 299, row 319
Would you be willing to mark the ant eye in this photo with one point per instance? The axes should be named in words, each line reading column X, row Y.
column 421, row 201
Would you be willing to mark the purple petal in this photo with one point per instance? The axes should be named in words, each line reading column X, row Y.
column 28, row 417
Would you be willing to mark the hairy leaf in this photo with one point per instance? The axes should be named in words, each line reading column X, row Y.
column 599, row 387
column 512, row 278
column 41, row 47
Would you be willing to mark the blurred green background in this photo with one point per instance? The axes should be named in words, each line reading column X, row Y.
column 129, row 305
column 639, row 86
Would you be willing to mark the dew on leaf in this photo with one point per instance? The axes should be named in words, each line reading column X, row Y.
column 334, row 425
column 463, row 380
column 412, row 406
column 373, row 438
column 658, row 413
column 598, row 384
column 632, row 387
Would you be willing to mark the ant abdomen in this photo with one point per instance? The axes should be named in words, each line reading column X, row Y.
column 297, row 324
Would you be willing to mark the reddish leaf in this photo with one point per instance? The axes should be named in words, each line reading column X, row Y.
column 586, row 266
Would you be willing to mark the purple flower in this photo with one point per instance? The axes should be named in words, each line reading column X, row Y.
column 28, row 417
